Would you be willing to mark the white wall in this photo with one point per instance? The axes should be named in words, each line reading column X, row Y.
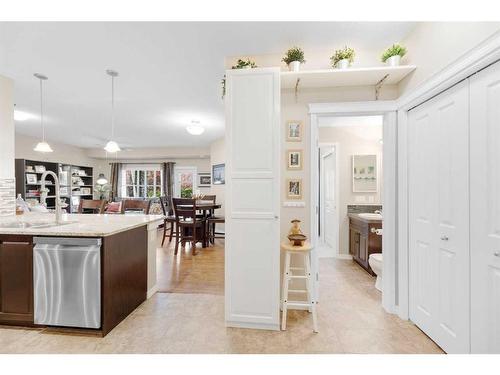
column 351, row 143
column 7, row 174
column 434, row 45
column 218, row 156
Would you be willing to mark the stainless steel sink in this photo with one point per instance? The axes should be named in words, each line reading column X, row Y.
column 25, row 225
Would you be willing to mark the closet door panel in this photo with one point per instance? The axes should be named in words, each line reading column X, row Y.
column 422, row 222
column 485, row 210
column 452, row 127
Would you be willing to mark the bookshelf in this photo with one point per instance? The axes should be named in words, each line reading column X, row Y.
column 76, row 182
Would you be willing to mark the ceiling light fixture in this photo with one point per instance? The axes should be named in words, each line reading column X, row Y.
column 112, row 146
column 42, row 146
column 22, row 116
column 195, row 128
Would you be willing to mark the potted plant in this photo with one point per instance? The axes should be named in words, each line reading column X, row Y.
column 393, row 55
column 240, row 64
column 293, row 58
column 342, row 58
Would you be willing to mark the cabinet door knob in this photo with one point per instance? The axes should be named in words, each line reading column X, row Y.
column 444, row 238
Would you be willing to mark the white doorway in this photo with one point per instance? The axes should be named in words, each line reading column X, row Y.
column 329, row 224
column 185, row 181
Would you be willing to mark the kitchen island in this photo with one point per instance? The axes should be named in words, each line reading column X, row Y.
column 126, row 267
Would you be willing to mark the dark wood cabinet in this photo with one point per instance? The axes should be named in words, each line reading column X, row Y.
column 16, row 279
column 363, row 241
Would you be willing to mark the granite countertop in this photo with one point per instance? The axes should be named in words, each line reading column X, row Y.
column 75, row 225
column 363, row 219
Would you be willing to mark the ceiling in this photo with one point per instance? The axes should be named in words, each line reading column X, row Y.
column 169, row 73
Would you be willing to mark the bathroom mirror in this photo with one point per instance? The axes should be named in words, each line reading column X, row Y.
column 364, row 174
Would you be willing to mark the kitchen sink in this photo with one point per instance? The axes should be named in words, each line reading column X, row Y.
column 370, row 216
column 39, row 224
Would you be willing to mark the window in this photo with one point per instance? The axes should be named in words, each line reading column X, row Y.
column 141, row 181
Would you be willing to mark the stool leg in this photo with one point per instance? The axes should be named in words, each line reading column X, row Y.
column 309, row 292
column 286, row 280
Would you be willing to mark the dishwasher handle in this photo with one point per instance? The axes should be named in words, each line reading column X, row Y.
column 67, row 241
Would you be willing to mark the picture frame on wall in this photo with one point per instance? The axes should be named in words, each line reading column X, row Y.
column 218, row 174
column 204, row 179
column 31, row 178
column 294, row 188
column 294, row 131
column 294, row 160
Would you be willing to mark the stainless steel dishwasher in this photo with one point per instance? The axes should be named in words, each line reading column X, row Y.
column 67, row 281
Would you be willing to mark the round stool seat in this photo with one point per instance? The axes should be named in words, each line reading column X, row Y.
column 288, row 246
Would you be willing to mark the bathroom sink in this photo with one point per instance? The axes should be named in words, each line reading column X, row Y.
column 370, row 216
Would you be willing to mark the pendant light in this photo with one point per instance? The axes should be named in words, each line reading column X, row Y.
column 42, row 146
column 102, row 180
column 112, row 146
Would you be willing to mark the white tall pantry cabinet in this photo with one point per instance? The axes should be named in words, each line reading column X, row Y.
column 252, row 250
column 454, row 215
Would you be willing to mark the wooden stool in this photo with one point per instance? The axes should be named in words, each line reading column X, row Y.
column 288, row 275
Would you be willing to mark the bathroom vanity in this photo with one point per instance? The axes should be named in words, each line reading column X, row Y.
column 363, row 239
column 59, row 281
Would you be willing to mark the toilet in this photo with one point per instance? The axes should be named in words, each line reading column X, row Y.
column 375, row 261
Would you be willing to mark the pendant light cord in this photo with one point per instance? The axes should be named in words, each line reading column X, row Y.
column 41, row 110
column 112, row 107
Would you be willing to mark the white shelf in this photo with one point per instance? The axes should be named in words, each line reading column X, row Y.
column 345, row 77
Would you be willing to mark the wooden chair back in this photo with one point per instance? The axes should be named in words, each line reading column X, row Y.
column 96, row 205
column 166, row 205
column 136, row 205
column 184, row 209
column 210, row 198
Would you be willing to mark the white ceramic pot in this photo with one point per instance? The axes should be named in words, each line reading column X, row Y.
column 343, row 64
column 294, row 66
column 394, row 60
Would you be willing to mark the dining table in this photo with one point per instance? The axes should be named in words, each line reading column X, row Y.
column 206, row 207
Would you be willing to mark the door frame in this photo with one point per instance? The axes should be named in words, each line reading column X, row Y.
column 386, row 108
column 185, row 168
column 478, row 58
column 321, row 198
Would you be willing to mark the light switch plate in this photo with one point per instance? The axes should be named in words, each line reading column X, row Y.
column 294, row 204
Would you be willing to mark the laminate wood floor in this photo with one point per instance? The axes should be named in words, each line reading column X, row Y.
column 190, row 318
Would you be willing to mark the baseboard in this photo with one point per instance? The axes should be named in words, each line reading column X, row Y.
column 152, row 291
column 343, row 256
column 269, row 327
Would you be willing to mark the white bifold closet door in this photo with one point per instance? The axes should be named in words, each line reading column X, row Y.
column 485, row 210
column 252, row 249
column 439, row 218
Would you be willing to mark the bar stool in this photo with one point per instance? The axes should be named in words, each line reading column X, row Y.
column 288, row 275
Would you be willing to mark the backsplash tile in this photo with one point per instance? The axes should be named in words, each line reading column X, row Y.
column 360, row 208
column 7, row 196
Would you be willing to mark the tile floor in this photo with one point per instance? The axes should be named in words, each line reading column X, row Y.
column 351, row 320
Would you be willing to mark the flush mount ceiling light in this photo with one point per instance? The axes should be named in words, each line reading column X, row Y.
column 22, row 116
column 42, row 146
column 112, row 146
column 195, row 128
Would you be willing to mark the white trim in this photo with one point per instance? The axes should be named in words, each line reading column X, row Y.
column 471, row 62
column 343, row 256
column 271, row 327
column 152, row 291
column 388, row 109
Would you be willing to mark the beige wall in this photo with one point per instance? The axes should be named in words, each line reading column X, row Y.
column 218, row 156
column 434, row 45
column 292, row 109
column 350, row 144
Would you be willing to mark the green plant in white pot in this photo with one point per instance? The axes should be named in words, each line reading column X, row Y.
column 293, row 58
column 393, row 54
column 342, row 58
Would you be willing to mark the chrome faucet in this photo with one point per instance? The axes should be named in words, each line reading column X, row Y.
column 58, row 200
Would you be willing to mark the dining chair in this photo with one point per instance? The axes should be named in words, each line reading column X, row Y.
column 189, row 227
column 136, row 205
column 168, row 217
column 96, row 206
column 212, row 220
